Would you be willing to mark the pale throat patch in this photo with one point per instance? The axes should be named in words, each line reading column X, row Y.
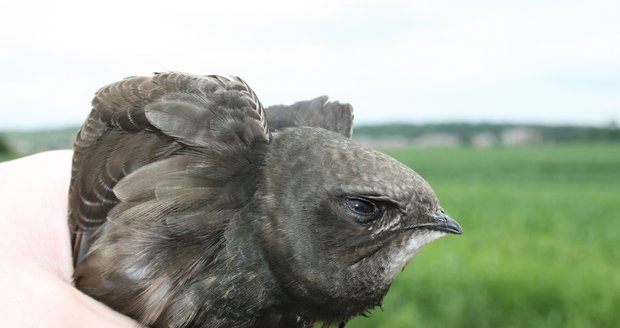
column 399, row 259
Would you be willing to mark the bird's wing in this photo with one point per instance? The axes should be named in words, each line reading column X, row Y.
column 318, row 112
column 145, row 133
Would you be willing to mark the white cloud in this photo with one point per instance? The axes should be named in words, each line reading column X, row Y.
column 393, row 60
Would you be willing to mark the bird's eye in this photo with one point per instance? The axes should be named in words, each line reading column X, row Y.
column 364, row 209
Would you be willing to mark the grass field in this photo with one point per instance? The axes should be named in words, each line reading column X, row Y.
column 541, row 246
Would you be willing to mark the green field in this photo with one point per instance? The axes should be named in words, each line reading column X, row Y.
column 541, row 246
column 6, row 157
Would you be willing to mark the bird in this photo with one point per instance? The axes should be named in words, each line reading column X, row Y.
column 187, row 210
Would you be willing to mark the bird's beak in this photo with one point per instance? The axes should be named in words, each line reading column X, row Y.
column 440, row 221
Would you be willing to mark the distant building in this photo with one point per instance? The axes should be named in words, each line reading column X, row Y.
column 484, row 140
column 432, row 140
column 520, row 136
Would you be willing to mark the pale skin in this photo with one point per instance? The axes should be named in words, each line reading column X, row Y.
column 35, row 255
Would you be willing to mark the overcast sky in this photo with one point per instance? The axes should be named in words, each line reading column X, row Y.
column 405, row 61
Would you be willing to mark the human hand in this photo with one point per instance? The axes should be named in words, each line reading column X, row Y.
column 35, row 252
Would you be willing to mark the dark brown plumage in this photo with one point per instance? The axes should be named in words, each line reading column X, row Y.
column 187, row 211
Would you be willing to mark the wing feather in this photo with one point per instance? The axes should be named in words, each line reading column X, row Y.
column 318, row 112
column 143, row 120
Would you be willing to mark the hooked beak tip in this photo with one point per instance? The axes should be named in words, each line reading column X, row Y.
column 440, row 221
column 445, row 223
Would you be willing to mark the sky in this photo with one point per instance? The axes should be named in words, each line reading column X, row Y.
column 549, row 62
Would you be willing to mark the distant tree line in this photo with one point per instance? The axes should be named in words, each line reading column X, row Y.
column 18, row 143
column 466, row 131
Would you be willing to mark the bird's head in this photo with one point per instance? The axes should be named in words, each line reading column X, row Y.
column 341, row 221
